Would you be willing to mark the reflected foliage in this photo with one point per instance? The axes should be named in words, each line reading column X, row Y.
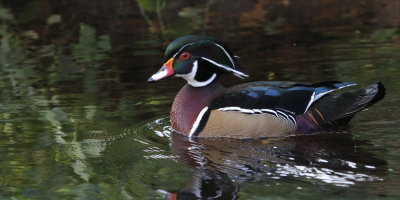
column 78, row 119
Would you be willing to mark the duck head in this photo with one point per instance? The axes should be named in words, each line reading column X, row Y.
column 197, row 59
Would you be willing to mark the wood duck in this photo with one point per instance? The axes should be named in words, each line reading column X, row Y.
column 204, row 108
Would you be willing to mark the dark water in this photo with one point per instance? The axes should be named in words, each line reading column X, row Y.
column 79, row 121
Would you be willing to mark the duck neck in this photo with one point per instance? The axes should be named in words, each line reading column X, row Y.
column 189, row 102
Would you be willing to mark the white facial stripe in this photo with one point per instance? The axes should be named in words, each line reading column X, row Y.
column 195, row 83
column 226, row 53
column 181, row 49
column 235, row 72
column 190, row 78
column 197, row 122
column 159, row 75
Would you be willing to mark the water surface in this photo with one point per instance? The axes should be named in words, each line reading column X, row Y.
column 79, row 121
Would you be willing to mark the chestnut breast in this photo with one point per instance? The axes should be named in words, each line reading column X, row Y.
column 188, row 103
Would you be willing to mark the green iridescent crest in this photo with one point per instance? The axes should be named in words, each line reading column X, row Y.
column 205, row 50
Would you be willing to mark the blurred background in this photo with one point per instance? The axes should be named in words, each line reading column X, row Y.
column 79, row 120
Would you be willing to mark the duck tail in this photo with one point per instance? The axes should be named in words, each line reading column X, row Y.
column 337, row 109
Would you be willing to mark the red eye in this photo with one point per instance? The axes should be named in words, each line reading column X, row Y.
column 184, row 56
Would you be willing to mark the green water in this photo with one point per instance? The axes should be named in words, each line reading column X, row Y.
column 79, row 121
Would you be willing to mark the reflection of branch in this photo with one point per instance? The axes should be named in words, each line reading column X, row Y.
column 159, row 8
column 206, row 13
column 143, row 13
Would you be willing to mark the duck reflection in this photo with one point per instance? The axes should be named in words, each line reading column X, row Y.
column 221, row 165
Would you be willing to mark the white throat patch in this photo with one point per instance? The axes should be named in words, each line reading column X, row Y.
column 190, row 77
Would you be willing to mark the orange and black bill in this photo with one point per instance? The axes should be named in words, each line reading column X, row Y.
column 165, row 71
